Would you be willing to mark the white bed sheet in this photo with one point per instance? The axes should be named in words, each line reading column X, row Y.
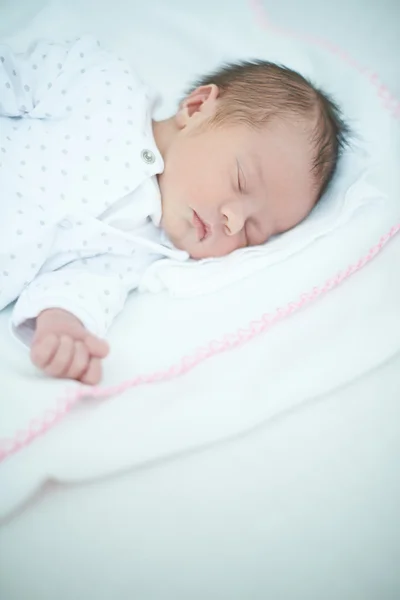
column 232, row 522
column 303, row 509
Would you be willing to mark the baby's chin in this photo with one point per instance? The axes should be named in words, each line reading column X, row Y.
column 186, row 240
column 200, row 250
column 183, row 239
column 208, row 248
column 191, row 248
column 195, row 249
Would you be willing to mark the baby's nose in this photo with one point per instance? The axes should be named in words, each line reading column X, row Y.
column 233, row 220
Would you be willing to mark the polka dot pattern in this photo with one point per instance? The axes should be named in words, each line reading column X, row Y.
column 79, row 154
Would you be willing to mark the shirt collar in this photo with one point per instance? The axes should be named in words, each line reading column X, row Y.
column 149, row 142
column 156, row 210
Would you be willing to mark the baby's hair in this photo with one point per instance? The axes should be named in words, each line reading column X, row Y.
column 254, row 92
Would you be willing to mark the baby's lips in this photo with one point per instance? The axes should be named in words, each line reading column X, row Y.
column 203, row 229
column 199, row 225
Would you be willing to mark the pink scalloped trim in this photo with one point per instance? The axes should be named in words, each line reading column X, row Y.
column 389, row 101
column 39, row 426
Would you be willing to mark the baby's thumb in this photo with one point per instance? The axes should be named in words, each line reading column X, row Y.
column 96, row 346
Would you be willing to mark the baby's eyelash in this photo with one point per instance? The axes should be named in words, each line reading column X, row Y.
column 241, row 179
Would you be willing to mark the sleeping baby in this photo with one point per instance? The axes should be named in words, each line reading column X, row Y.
column 93, row 190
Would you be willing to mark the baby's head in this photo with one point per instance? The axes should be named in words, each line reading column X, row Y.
column 248, row 154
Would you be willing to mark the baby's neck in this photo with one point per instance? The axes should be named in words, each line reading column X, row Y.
column 164, row 132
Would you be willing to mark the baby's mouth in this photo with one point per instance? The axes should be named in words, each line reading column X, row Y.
column 202, row 229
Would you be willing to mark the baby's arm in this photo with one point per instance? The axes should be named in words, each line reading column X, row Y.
column 63, row 315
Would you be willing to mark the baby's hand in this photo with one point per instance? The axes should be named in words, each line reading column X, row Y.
column 62, row 347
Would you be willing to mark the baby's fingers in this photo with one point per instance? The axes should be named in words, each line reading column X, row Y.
column 43, row 351
column 60, row 362
column 80, row 361
column 96, row 346
column 94, row 372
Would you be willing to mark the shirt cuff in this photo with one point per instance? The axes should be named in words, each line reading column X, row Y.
column 27, row 309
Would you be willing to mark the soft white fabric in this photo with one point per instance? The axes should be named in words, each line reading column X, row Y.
column 80, row 205
column 341, row 337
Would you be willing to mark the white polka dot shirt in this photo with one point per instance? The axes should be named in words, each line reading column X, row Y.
column 80, row 206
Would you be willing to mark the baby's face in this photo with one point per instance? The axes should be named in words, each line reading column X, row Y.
column 228, row 187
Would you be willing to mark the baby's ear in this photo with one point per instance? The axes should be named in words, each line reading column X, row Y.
column 201, row 100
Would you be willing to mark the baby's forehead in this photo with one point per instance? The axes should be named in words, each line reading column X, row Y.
column 282, row 156
column 294, row 135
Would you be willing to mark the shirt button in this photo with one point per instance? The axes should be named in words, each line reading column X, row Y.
column 148, row 156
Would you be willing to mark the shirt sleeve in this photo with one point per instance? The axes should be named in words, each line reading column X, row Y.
column 40, row 82
column 94, row 290
column 27, row 78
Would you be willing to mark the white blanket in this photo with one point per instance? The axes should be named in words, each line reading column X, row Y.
column 353, row 329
